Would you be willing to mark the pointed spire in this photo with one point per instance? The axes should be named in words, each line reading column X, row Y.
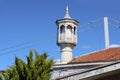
column 66, row 9
column 67, row 13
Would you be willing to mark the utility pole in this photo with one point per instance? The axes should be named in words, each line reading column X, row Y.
column 106, row 32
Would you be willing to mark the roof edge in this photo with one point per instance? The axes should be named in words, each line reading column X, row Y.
column 94, row 52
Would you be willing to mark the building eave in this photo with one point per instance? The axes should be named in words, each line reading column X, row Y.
column 93, row 73
column 58, row 66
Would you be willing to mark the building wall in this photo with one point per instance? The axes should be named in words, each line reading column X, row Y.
column 111, row 77
column 58, row 72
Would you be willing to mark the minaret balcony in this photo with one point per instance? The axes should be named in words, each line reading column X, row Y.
column 67, row 40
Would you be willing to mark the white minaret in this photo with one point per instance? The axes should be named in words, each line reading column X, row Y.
column 67, row 36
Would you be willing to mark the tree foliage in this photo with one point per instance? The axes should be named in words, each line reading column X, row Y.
column 37, row 67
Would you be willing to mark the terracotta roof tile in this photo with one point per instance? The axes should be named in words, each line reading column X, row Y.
column 109, row 54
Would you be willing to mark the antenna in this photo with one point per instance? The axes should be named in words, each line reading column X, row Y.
column 106, row 31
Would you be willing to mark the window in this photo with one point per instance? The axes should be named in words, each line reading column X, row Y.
column 74, row 30
column 62, row 29
column 69, row 28
column 69, row 33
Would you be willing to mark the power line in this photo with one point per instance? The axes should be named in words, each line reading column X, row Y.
column 114, row 25
column 91, row 22
column 22, row 48
column 18, row 45
column 37, row 40
column 90, row 25
column 19, row 49
column 114, row 20
column 23, row 44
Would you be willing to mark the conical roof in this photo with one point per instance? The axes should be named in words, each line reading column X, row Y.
column 67, row 13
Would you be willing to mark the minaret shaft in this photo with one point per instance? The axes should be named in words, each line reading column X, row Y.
column 66, row 53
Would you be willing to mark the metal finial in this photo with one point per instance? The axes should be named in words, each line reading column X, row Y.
column 67, row 13
column 66, row 9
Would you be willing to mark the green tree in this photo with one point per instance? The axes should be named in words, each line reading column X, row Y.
column 37, row 67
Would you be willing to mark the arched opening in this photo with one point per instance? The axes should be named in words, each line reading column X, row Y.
column 62, row 32
column 62, row 29
column 69, row 28
column 69, row 32
column 74, row 30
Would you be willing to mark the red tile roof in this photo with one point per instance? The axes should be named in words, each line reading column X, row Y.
column 109, row 54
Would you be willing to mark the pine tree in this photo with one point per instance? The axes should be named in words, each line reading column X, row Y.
column 37, row 67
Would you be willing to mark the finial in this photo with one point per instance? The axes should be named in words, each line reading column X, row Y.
column 66, row 9
column 67, row 13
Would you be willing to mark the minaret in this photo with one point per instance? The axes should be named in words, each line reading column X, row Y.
column 66, row 36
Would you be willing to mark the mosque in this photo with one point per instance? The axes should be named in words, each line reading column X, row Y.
column 99, row 65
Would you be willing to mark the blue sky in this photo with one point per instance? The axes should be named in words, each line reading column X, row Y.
column 33, row 22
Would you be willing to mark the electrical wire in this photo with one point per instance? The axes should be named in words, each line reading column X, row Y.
column 92, row 24
column 33, row 41
column 89, row 23
column 23, row 46
column 114, row 25
column 113, row 20
column 39, row 40
column 18, row 45
column 19, row 49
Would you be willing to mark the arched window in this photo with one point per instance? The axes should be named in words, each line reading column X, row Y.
column 62, row 29
column 69, row 33
column 69, row 28
column 74, row 30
